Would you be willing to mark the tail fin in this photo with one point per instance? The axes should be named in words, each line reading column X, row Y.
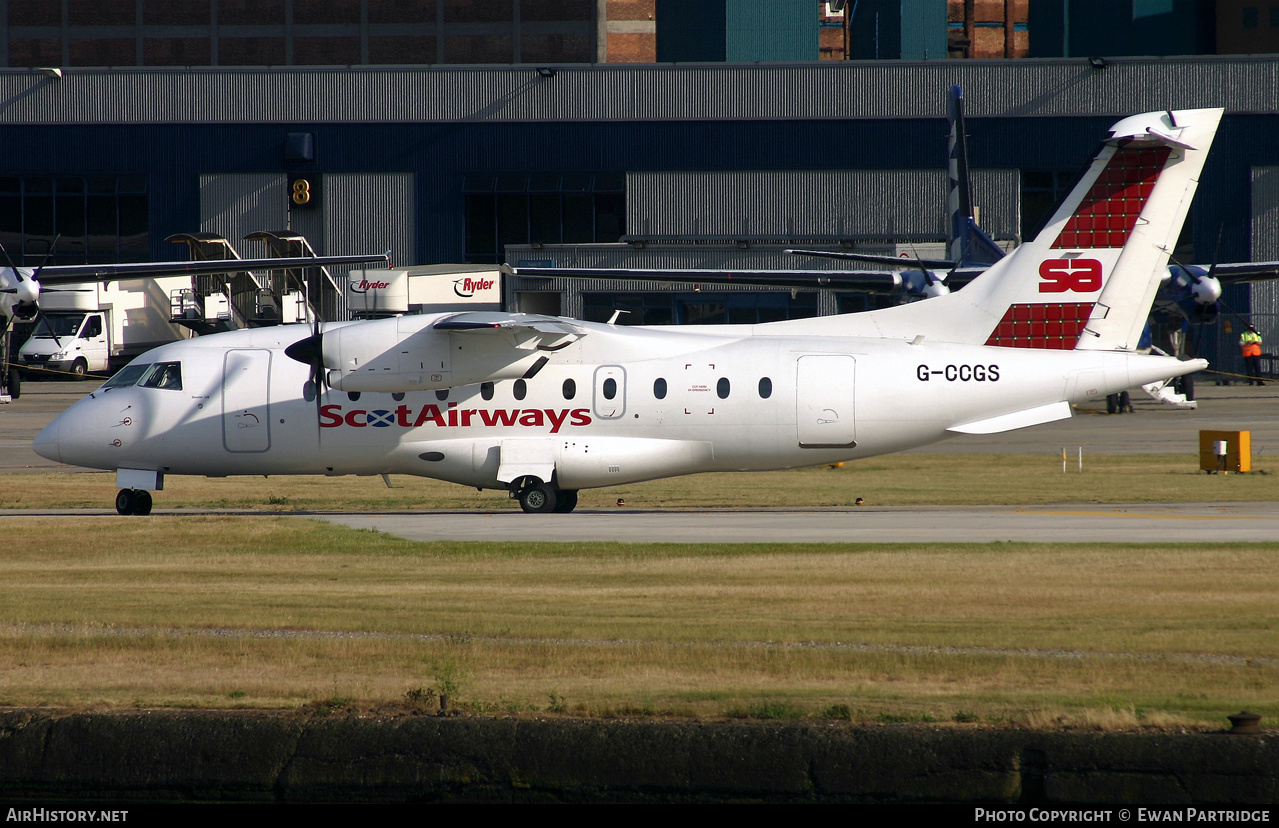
column 1088, row 279
column 968, row 244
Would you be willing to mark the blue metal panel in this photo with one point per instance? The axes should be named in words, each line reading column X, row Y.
column 923, row 29
column 769, row 30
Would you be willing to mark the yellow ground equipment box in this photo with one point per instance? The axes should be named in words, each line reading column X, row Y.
column 1234, row 456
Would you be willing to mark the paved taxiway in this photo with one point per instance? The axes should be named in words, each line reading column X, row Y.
column 1153, row 429
column 1187, row 523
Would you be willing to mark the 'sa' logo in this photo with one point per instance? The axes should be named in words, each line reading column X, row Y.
column 1075, row 275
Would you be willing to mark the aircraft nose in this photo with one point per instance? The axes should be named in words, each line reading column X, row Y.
column 46, row 442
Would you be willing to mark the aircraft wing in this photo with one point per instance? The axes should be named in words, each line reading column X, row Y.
column 546, row 333
column 72, row 274
column 874, row 258
column 870, row 281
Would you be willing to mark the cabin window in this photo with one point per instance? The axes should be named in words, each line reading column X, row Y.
column 765, row 388
column 442, row 394
column 166, row 375
column 570, row 389
column 486, row 390
column 659, row 388
column 610, row 388
column 521, row 389
column 722, row 388
column 353, row 396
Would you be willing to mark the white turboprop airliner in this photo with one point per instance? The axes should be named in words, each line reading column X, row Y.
column 544, row 406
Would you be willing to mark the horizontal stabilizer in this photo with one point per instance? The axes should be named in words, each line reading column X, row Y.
column 1018, row 419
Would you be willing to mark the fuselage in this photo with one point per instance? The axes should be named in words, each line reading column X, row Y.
column 618, row 405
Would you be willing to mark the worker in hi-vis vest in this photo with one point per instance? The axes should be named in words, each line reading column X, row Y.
column 1250, row 343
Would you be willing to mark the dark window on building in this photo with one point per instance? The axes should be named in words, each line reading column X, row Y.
column 402, row 50
column 35, row 52
column 486, row 390
column 100, row 12
column 765, row 388
column 478, row 48
column 556, row 10
column 186, row 13
column 402, row 11
column 570, row 389
column 1041, row 190
column 251, row 51
column 112, row 51
column 326, row 11
column 1251, row 17
column 478, row 11
column 250, row 12
column 96, row 219
column 176, row 51
column 659, row 388
column 555, row 47
column 326, row 51
column 34, row 13
column 546, row 208
column 722, row 388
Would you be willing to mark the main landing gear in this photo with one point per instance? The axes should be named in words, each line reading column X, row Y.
column 133, row 502
column 542, row 498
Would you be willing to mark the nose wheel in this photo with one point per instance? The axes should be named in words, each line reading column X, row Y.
column 133, row 502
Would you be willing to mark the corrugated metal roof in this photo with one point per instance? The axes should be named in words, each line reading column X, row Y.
column 810, row 204
column 819, row 90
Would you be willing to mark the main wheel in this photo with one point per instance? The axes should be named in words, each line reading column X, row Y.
column 126, row 501
column 538, row 499
column 566, row 500
column 142, row 504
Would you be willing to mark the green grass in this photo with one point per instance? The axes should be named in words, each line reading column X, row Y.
column 901, row 479
column 275, row 612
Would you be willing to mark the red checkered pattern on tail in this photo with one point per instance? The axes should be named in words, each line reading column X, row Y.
column 1109, row 210
column 1055, row 326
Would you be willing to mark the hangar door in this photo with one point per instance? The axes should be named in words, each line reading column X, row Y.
column 824, row 401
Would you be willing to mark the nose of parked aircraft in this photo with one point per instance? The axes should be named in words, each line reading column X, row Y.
column 46, row 442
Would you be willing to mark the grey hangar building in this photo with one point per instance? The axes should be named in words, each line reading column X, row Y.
column 664, row 165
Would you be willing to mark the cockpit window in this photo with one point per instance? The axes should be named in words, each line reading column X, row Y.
column 164, row 375
column 128, row 375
